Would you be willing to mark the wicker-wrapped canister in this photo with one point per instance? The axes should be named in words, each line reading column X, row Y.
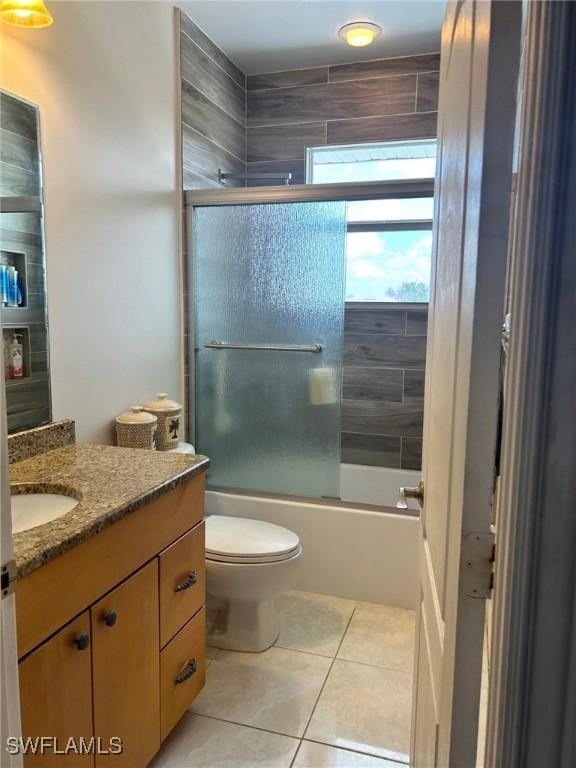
column 136, row 428
column 169, row 414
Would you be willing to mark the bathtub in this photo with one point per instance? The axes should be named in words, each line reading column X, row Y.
column 375, row 485
column 348, row 552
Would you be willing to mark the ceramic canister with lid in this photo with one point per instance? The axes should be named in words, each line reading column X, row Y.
column 136, row 428
column 169, row 415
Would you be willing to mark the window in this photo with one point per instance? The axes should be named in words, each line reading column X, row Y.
column 384, row 161
column 389, row 250
column 389, row 241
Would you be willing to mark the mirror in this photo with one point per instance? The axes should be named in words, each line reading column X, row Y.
column 23, row 267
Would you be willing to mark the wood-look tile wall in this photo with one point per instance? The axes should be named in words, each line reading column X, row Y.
column 27, row 399
column 382, row 100
column 383, row 393
column 213, row 111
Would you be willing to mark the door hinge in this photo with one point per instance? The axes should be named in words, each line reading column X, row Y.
column 8, row 578
column 478, row 554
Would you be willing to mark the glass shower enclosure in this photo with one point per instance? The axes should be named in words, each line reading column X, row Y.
column 266, row 334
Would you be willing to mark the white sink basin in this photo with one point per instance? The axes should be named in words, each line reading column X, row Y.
column 30, row 510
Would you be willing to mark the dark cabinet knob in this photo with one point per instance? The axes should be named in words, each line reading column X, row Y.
column 82, row 642
column 110, row 618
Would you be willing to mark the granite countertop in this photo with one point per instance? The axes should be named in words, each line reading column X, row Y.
column 110, row 483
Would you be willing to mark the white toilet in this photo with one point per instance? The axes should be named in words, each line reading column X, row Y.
column 248, row 564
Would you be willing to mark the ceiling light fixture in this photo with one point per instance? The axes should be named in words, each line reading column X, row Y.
column 360, row 33
column 32, row 14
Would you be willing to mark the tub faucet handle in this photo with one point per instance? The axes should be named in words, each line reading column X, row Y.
column 410, row 493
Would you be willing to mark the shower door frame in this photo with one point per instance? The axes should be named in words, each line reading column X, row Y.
column 298, row 193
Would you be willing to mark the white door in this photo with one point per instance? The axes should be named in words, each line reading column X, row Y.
column 9, row 693
column 480, row 50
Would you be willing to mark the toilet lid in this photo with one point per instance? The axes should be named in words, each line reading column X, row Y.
column 237, row 539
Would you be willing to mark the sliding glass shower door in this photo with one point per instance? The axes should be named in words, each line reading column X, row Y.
column 268, row 290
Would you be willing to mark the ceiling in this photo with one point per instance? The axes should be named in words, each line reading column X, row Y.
column 272, row 35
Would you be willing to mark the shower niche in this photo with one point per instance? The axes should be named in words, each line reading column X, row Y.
column 13, row 281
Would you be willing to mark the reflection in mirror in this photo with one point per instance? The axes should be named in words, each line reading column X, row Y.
column 22, row 267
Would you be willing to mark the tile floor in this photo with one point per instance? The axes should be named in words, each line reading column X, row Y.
column 334, row 692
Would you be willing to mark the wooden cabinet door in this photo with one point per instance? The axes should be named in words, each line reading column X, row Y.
column 56, row 695
column 126, row 674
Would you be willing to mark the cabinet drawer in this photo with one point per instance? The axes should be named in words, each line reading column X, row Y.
column 182, row 671
column 182, row 582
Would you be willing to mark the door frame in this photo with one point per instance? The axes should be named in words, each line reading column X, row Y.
column 9, row 688
column 532, row 696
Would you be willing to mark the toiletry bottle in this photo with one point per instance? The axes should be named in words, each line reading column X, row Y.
column 16, row 357
column 12, row 282
column 7, row 360
column 14, row 292
column 4, row 283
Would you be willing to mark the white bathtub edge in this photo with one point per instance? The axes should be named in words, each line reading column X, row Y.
column 360, row 555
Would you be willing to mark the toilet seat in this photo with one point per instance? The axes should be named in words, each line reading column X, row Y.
column 240, row 540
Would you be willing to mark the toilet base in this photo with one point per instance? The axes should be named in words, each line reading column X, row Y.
column 242, row 625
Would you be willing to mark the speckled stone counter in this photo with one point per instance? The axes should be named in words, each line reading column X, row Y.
column 109, row 482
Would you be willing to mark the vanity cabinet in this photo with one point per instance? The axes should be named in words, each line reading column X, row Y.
column 56, row 693
column 182, row 582
column 132, row 660
column 125, row 668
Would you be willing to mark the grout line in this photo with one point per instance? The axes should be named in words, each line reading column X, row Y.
column 379, row 117
column 374, row 666
column 211, row 141
column 299, row 650
column 277, row 160
column 358, row 752
column 251, row 124
column 21, row 136
column 211, row 100
column 337, row 82
column 296, row 753
column 344, row 63
column 214, row 657
column 329, row 672
column 212, row 59
column 32, row 172
column 213, row 184
column 244, row 725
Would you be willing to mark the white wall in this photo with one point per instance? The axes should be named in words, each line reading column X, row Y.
column 105, row 78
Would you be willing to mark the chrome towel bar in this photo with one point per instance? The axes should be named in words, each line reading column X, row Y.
column 265, row 347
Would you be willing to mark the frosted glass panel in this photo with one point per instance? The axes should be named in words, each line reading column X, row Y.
column 270, row 274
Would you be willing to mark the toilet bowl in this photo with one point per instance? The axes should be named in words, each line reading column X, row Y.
column 249, row 563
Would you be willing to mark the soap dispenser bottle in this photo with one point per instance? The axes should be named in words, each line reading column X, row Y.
column 16, row 357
